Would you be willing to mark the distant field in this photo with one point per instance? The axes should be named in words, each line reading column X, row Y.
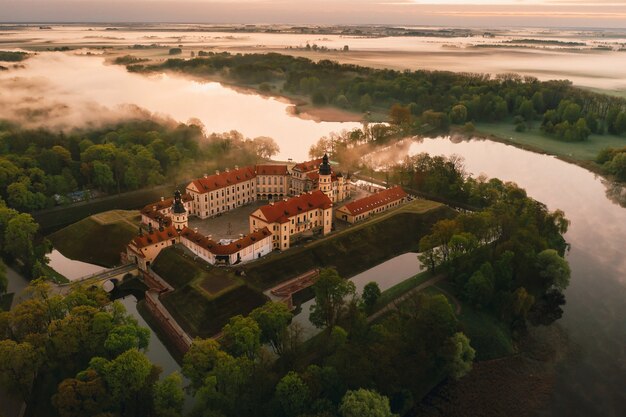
column 582, row 151
column 205, row 297
column 98, row 239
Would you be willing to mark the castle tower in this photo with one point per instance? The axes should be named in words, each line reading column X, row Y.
column 325, row 180
column 341, row 187
column 179, row 213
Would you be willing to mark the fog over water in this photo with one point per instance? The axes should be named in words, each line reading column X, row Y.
column 60, row 90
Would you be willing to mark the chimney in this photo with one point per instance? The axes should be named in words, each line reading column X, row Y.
column 240, row 235
column 207, row 175
column 195, row 229
column 154, row 208
column 162, row 198
column 217, row 172
column 210, row 237
column 227, row 170
column 271, row 203
column 236, row 167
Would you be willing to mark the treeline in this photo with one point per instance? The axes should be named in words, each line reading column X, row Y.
column 613, row 162
column 81, row 355
column 434, row 99
column 12, row 56
column 507, row 258
column 39, row 168
column 353, row 368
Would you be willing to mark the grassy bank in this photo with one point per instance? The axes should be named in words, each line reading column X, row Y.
column 205, row 297
column 355, row 249
column 97, row 239
column 535, row 140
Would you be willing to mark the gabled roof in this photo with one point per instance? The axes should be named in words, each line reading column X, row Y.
column 281, row 211
column 374, row 201
column 163, row 204
column 157, row 236
column 223, row 179
column 272, row 170
column 232, row 248
column 307, row 166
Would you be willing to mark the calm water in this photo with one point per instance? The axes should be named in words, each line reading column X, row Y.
column 70, row 268
column 591, row 382
column 386, row 274
column 76, row 90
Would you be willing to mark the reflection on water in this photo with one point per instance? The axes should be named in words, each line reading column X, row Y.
column 76, row 90
column 157, row 352
column 70, row 268
column 386, row 274
column 591, row 383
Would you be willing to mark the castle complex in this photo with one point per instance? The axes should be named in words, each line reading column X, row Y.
column 314, row 188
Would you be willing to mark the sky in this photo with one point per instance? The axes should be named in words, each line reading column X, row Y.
column 464, row 13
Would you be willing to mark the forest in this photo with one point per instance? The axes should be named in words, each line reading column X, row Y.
column 40, row 168
column 435, row 99
column 504, row 259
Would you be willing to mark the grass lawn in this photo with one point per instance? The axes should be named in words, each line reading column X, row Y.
column 98, row 239
column 398, row 290
column 582, row 151
column 354, row 249
column 205, row 297
column 489, row 336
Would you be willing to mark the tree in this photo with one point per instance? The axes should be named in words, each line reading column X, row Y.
column 400, row 115
column 458, row 114
column 331, row 292
column 242, row 337
column 479, row 289
column 85, row 395
column 273, row 319
column 102, row 176
column 265, row 147
column 459, row 355
column 200, row 359
column 371, row 293
column 168, row 396
column 19, row 363
column 126, row 337
column 293, row 395
column 364, row 403
column 365, row 102
column 19, row 236
column 553, row 268
column 125, row 375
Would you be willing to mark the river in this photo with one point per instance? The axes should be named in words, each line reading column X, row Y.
column 591, row 381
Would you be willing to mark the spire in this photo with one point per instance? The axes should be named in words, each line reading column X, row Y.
column 325, row 166
column 178, row 206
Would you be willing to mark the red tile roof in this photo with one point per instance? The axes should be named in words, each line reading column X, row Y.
column 232, row 248
column 375, row 200
column 157, row 236
column 224, row 179
column 308, row 165
column 281, row 211
column 272, row 170
column 162, row 204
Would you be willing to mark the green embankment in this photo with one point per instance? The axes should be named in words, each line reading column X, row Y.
column 355, row 249
column 200, row 312
column 535, row 140
column 490, row 337
column 97, row 239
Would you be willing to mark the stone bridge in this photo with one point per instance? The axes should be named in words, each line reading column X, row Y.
column 106, row 278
